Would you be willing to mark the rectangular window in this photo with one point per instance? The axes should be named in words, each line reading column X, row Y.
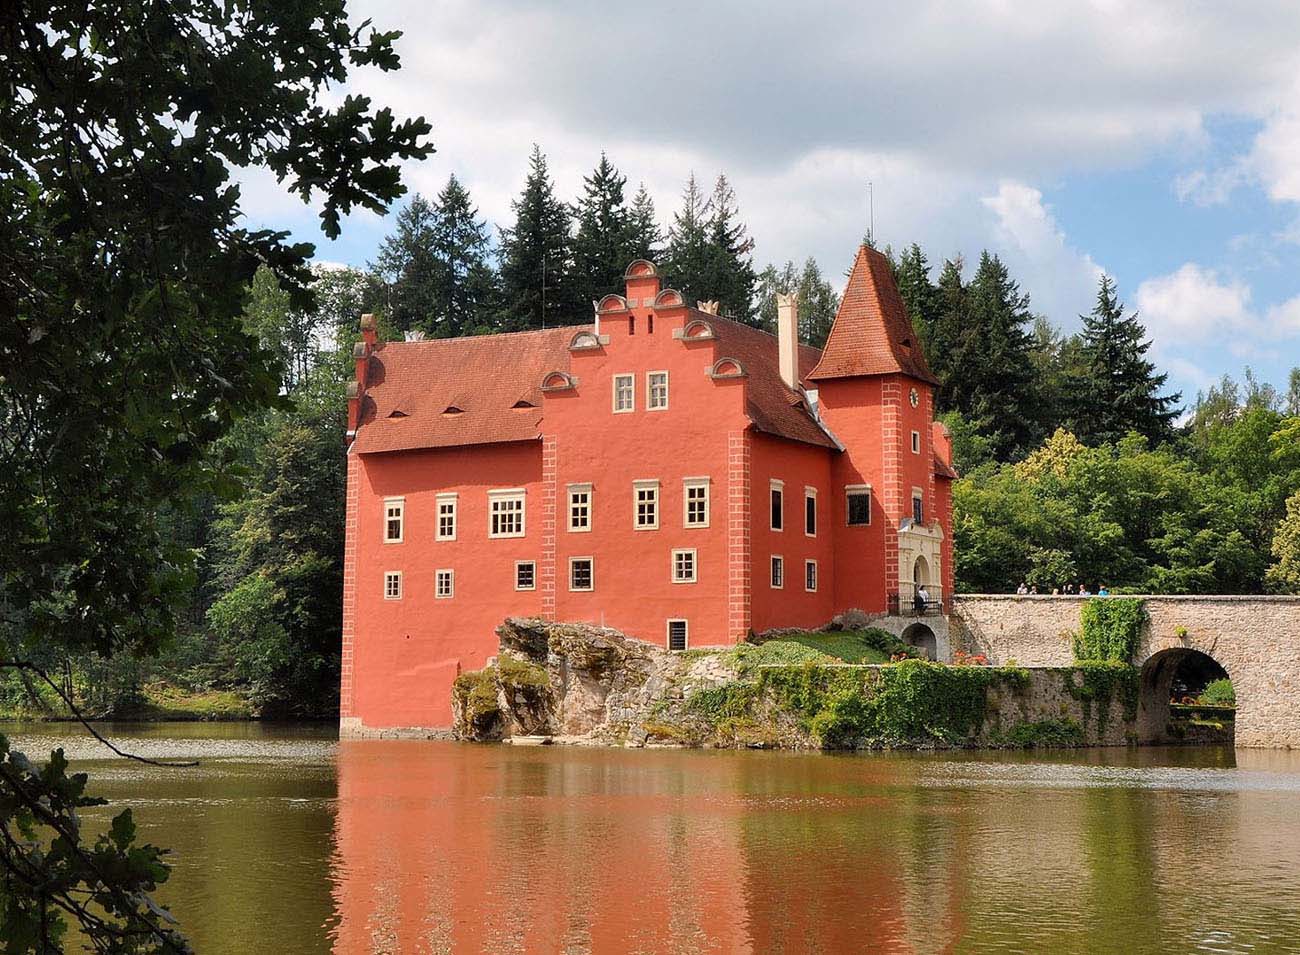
column 579, row 507
column 916, row 442
column 645, row 503
column 444, row 584
column 695, row 498
column 858, row 505
column 581, row 573
column 810, row 576
column 918, row 509
column 446, row 517
column 393, row 585
column 810, row 511
column 525, row 575
column 656, row 390
column 394, row 519
column 684, row 566
column 624, row 393
column 506, row 513
column 777, row 489
column 677, row 635
column 778, row 572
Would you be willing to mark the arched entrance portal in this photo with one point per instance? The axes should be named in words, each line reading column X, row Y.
column 921, row 572
column 922, row 638
column 1173, row 702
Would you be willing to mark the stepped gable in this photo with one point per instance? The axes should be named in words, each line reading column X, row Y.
column 872, row 334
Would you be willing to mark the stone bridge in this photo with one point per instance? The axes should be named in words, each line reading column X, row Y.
column 1255, row 639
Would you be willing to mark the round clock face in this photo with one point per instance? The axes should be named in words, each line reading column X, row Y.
column 914, row 397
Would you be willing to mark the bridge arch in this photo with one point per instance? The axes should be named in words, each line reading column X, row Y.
column 1173, row 673
column 920, row 636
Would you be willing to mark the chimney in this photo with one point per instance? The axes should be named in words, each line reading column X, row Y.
column 787, row 338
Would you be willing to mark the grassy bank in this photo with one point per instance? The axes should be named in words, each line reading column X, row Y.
column 157, row 702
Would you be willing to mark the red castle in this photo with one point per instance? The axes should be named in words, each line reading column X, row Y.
column 665, row 471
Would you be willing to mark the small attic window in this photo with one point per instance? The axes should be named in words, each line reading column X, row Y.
column 523, row 403
column 452, row 409
column 397, row 413
column 907, row 343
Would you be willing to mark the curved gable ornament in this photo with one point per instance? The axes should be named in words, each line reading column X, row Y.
column 727, row 368
column 559, row 381
column 584, row 341
column 696, row 330
column 640, row 269
column 612, row 303
column 668, row 298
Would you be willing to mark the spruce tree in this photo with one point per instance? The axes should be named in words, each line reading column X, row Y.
column 729, row 270
column 816, row 297
column 912, row 273
column 645, row 226
column 686, row 258
column 996, row 381
column 606, row 241
column 769, row 283
column 948, row 341
column 466, row 288
column 536, row 258
column 1119, row 390
column 408, row 263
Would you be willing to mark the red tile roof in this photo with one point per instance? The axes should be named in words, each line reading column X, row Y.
column 943, row 469
column 412, row 384
column 872, row 334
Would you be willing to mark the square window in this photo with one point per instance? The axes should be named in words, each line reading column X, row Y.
column 581, row 573
column 393, row 585
column 810, row 576
column 506, row 513
column 444, row 584
column 656, row 390
column 695, row 499
column 684, row 566
column 778, row 572
column 916, row 442
column 645, row 504
column 525, row 575
column 859, row 506
column 394, row 520
column 810, row 511
column 624, row 393
column 777, row 490
column 446, row 530
column 579, row 507
column 677, row 635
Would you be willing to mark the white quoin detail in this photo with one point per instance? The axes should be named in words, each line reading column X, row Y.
column 787, row 338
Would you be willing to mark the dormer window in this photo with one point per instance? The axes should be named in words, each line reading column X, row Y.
column 452, row 409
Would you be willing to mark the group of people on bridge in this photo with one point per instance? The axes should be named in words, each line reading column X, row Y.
column 1069, row 590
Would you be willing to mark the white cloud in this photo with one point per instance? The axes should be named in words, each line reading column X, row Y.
column 1283, row 320
column 1195, row 305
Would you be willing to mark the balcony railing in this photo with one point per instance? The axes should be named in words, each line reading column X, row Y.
column 905, row 604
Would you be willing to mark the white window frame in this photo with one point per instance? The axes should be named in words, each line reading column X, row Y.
column 916, row 442
column 437, row 583
column 394, row 576
column 779, row 487
column 695, row 566
column 810, row 494
column 775, row 561
column 399, row 504
column 807, row 566
column 592, row 571
column 689, row 484
column 526, row 563
column 650, row 391
column 851, row 490
column 645, row 484
column 446, row 499
column 630, row 378
column 575, row 489
column 504, row 494
column 686, row 634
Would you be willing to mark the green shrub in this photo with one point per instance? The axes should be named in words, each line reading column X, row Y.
column 1062, row 732
column 1218, row 693
column 1109, row 629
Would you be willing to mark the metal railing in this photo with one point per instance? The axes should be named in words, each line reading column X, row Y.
column 904, row 603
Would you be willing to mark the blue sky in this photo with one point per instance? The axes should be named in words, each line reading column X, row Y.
column 1157, row 141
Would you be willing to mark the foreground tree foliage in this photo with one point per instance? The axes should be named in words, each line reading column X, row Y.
column 124, row 266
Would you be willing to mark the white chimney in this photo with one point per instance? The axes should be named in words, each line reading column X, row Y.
column 787, row 339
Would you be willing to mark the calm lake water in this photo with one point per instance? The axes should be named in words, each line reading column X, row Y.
column 288, row 841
